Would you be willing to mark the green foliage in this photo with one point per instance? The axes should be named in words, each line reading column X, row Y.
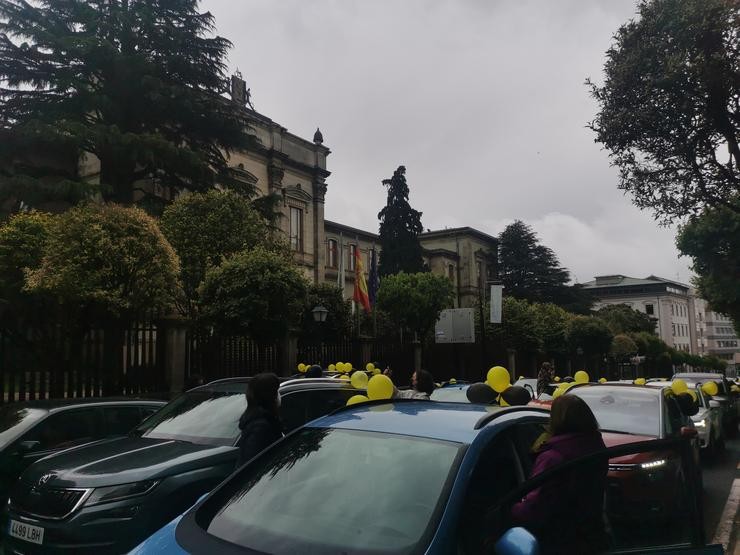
column 338, row 321
column 204, row 229
column 414, row 301
column 712, row 240
column 621, row 319
column 551, row 325
column 112, row 258
column 590, row 334
column 668, row 107
column 622, row 347
column 137, row 83
column 521, row 328
column 22, row 240
column 400, row 226
column 259, row 292
column 531, row 271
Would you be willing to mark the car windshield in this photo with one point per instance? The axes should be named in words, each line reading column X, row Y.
column 336, row 491
column 628, row 410
column 207, row 416
column 450, row 394
column 14, row 420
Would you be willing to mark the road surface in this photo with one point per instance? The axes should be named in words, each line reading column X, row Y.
column 719, row 476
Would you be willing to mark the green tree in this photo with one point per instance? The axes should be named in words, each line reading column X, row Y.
column 400, row 226
column 589, row 334
column 108, row 258
column 712, row 240
column 204, row 229
column 258, row 292
column 621, row 319
column 522, row 329
column 22, row 240
column 622, row 347
column 668, row 109
column 415, row 301
column 136, row 83
column 551, row 327
column 531, row 271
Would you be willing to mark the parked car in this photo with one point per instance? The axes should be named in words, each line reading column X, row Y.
column 708, row 421
column 645, row 485
column 415, row 477
column 108, row 496
column 727, row 400
column 32, row 430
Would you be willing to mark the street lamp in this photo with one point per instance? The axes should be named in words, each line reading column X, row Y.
column 319, row 316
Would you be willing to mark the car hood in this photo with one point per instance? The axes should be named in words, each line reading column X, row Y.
column 612, row 439
column 125, row 460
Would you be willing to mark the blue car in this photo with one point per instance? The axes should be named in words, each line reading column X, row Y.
column 393, row 477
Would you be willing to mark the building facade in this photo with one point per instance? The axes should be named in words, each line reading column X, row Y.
column 716, row 336
column 670, row 303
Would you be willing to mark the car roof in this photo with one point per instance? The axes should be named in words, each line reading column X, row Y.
column 699, row 375
column 57, row 405
column 238, row 384
column 459, row 422
column 611, row 385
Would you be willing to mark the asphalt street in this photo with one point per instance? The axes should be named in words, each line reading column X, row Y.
column 718, row 480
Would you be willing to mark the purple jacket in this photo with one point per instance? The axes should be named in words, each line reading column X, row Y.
column 568, row 509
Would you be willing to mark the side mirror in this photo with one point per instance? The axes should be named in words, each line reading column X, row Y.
column 517, row 541
column 27, row 446
column 714, row 404
column 688, row 432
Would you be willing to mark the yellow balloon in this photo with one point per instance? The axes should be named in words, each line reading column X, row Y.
column 359, row 380
column 452, row 381
column 640, row 381
column 556, row 378
column 679, row 386
column 502, row 402
column 602, row 380
column 344, row 377
column 339, row 366
column 735, row 389
column 357, row 399
column 369, row 366
column 710, row 388
column 376, row 371
column 581, row 377
column 332, row 368
column 380, row 387
column 302, row 367
column 498, row 378
column 557, row 393
column 693, row 395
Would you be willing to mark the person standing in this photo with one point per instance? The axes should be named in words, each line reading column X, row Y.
column 545, row 378
column 260, row 424
column 422, row 386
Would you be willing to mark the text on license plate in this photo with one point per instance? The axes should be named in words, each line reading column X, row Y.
column 26, row 532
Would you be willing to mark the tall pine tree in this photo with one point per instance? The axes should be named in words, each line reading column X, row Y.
column 137, row 83
column 400, row 226
column 531, row 271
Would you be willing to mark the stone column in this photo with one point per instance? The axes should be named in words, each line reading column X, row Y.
column 319, row 236
column 288, row 354
column 175, row 349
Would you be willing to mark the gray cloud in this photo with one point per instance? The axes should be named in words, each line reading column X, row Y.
column 483, row 101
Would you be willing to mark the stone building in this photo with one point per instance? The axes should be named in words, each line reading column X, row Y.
column 670, row 303
column 716, row 336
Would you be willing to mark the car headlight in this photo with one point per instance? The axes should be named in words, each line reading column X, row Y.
column 121, row 491
column 652, row 464
column 700, row 423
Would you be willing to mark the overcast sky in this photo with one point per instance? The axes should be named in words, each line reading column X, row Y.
column 483, row 101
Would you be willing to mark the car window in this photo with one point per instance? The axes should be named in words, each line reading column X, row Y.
column 294, row 410
column 324, row 401
column 450, row 395
column 629, row 410
column 204, row 416
column 528, row 437
column 675, row 418
column 121, row 420
column 65, row 429
column 317, row 492
column 14, row 420
column 146, row 412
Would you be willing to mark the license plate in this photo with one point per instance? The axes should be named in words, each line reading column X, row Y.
column 26, row 532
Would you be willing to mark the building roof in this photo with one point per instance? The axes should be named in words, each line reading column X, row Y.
column 619, row 280
column 452, row 231
column 341, row 228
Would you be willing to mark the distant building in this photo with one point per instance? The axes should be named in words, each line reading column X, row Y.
column 716, row 336
column 670, row 303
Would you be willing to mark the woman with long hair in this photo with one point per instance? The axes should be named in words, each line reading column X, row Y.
column 260, row 424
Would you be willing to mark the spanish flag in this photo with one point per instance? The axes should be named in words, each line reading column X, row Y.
column 360, row 296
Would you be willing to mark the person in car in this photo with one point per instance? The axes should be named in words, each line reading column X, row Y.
column 566, row 512
column 422, row 386
column 260, row 424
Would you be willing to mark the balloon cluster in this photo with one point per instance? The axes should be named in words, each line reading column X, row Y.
column 378, row 387
column 498, row 380
column 579, row 377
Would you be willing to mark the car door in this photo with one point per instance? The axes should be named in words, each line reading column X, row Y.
column 683, row 535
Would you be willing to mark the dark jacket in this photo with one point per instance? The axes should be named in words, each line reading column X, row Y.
column 567, row 513
column 259, row 430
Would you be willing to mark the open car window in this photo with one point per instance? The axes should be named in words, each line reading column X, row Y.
column 651, row 505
